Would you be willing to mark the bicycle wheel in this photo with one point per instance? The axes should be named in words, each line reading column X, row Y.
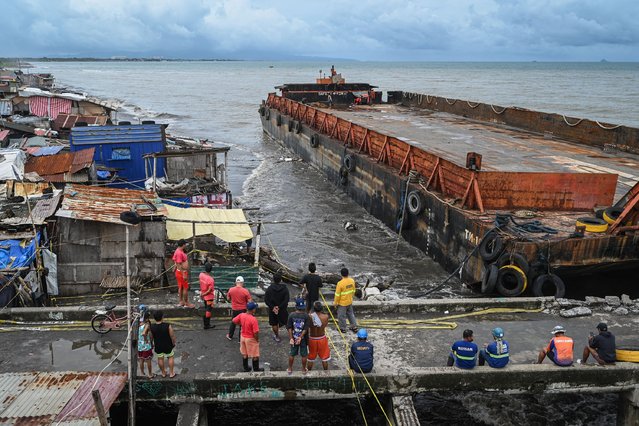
column 98, row 324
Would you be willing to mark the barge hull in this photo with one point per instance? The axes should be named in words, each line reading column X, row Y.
column 448, row 231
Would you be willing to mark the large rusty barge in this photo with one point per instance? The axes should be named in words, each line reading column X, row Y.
column 520, row 201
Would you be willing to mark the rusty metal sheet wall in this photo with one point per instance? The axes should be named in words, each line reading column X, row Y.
column 548, row 191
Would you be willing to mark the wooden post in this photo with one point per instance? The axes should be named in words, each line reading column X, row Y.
column 155, row 171
column 257, row 244
column 99, row 408
column 193, row 236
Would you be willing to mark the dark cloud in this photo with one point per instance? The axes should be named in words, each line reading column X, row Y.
column 366, row 29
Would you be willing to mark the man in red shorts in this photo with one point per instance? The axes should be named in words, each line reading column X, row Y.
column 249, row 337
column 207, row 292
column 317, row 341
column 182, row 274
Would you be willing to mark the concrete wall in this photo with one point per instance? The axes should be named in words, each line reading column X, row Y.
column 89, row 251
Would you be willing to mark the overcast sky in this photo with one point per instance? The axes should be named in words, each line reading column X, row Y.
column 429, row 30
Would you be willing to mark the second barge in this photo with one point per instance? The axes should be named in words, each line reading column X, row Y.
column 514, row 199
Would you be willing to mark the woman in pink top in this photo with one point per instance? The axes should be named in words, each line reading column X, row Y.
column 239, row 297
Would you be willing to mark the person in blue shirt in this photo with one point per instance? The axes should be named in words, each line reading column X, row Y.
column 361, row 357
column 464, row 352
column 496, row 353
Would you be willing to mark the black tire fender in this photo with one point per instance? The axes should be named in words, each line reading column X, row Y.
column 489, row 280
column 611, row 214
column 298, row 127
column 543, row 281
column 511, row 281
column 261, row 110
column 514, row 259
column 415, row 202
column 349, row 162
column 315, row 142
column 267, row 113
column 291, row 124
column 278, row 120
column 491, row 246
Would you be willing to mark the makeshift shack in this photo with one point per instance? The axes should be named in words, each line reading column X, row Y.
column 90, row 237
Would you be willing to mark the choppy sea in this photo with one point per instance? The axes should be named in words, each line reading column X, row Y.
column 219, row 101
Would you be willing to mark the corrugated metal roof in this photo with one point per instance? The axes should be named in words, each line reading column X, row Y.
column 68, row 121
column 45, row 150
column 134, row 133
column 50, row 165
column 82, row 159
column 102, row 204
column 59, row 167
column 45, row 398
column 109, row 384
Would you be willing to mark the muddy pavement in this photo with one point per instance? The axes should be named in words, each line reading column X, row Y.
column 396, row 345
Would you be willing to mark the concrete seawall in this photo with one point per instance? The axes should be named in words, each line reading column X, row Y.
column 85, row 313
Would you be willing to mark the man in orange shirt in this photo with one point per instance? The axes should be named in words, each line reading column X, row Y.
column 560, row 348
column 207, row 292
column 182, row 274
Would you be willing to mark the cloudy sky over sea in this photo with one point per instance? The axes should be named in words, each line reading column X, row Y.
column 428, row 30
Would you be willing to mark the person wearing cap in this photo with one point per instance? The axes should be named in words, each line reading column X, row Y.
column 249, row 337
column 344, row 292
column 360, row 358
column 239, row 297
column 463, row 352
column 602, row 346
column 496, row 353
column 317, row 341
column 560, row 348
column 276, row 298
column 207, row 292
column 181, row 261
column 298, row 324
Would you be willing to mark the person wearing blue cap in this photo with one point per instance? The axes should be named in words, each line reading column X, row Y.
column 361, row 357
column 496, row 353
column 249, row 337
column 298, row 325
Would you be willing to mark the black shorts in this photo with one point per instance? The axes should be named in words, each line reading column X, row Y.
column 278, row 319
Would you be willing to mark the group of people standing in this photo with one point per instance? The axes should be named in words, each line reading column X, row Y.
column 305, row 327
column 465, row 353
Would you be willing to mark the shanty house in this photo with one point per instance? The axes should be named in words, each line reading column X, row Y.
column 122, row 148
column 91, row 244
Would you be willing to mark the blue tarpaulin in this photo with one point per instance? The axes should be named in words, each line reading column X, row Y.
column 16, row 253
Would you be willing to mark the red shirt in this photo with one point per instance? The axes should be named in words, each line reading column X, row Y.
column 239, row 298
column 207, row 282
column 179, row 256
column 248, row 323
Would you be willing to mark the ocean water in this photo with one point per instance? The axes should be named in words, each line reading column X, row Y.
column 219, row 101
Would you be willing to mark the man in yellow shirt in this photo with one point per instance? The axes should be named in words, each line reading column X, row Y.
column 344, row 293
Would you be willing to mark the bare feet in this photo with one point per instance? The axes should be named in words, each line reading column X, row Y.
column 173, row 375
column 190, row 305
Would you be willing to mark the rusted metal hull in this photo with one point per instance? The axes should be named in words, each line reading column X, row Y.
column 449, row 231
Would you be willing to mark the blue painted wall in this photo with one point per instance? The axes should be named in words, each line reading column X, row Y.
column 123, row 147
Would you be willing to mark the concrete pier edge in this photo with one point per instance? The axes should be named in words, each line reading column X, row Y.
column 406, row 306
